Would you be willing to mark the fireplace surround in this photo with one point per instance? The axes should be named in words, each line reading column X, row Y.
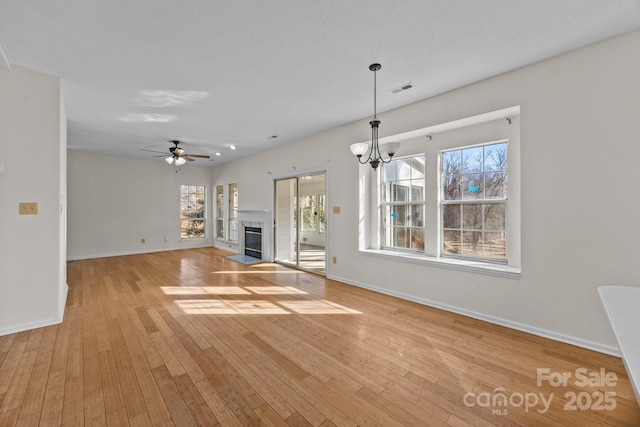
column 251, row 220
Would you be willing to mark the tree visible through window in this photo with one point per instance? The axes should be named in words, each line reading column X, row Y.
column 314, row 217
column 220, row 212
column 192, row 211
column 474, row 200
column 322, row 214
column 308, row 208
column 402, row 203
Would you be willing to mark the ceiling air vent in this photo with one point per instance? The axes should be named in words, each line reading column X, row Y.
column 402, row 88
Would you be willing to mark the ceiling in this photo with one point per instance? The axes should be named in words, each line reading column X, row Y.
column 214, row 73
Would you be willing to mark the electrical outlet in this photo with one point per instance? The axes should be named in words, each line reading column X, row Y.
column 335, row 260
column 143, row 240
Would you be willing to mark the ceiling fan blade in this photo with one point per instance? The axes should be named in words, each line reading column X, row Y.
column 199, row 156
column 154, row 151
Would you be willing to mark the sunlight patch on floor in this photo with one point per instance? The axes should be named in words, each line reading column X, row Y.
column 203, row 290
column 262, row 307
column 276, row 290
column 258, row 272
column 229, row 307
column 317, row 307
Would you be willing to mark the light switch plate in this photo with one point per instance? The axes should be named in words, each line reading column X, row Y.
column 336, row 209
column 28, row 208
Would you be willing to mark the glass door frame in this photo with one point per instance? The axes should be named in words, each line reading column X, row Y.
column 296, row 262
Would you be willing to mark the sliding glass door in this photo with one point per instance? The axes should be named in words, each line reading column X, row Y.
column 300, row 220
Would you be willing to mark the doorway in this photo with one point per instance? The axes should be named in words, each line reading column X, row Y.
column 301, row 222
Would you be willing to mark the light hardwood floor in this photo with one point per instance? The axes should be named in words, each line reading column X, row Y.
column 192, row 338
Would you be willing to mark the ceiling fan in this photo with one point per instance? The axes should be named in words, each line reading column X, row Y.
column 177, row 155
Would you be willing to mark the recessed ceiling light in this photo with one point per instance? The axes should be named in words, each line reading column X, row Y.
column 218, row 153
column 233, row 147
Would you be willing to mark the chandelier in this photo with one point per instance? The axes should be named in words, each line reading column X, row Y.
column 390, row 148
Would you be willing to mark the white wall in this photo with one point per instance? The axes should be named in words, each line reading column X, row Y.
column 114, row 202
column 32, row 140
column 579, row 175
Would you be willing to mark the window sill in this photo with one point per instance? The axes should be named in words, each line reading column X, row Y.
column 450, row 263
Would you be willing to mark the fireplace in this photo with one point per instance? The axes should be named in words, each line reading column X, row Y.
column 256, row 231
column 253, row 242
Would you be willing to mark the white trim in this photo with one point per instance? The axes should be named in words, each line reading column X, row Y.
column 621, row 305
column 123, row 253
column 299, row 173
column 545, row 333
column 261, row 219
column 41, row 323
column 499, row 270
column 31, row 325
column 62, row 301
column 503, row 113
column 230, row 246
column 5, row 58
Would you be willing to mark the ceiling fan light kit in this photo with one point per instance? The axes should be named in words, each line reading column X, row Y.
column 177, row 155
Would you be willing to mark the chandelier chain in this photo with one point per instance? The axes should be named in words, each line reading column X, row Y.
column 375, row 115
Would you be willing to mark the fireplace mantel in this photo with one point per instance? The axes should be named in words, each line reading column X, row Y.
column 257, row 218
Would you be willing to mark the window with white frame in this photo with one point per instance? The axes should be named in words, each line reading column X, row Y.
column 450, row 199
column 473, row 201
column 233, row 212
column 192, row 211
column 402, row 202
column 220, row 212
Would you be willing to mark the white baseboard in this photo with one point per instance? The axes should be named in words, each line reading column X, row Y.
column 225, row 247
column 30, row 325
column 62, row 301
column 556, row 336
column 206, row 244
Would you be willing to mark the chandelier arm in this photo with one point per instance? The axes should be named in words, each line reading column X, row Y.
column 365, row 162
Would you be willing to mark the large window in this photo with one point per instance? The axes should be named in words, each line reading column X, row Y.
column 220, row 212
column 474, row 198
column 402, row 204
column 192, row 211
column 451, row 199
column 233, row 212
